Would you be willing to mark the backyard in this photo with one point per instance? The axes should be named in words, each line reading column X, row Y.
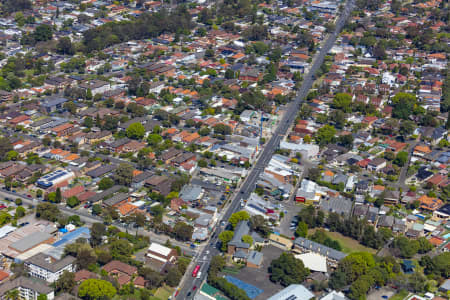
column 348, row 244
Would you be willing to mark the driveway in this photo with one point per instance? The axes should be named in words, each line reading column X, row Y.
column 378, row 294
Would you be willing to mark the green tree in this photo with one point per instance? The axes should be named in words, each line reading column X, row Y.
column 343, row 101
column 325, row 135
column 225, row 237
column 96, row 209
column 183, row 231
column 65, row 282
column 247, row 239
column 237, row 217
column 408, row 248
column 135, row 131
column 20, row 212
column 302, row 229
column 401, row 159
column 98, row 230
column 105, row 183
column 47, row 211
column 65, row 46
column 124, row 174
column 154, row 139
column 43, row 33
column 287, row 270
column 403, row 105
column 72, row 201
column 173, row 277
column 58, row 196
column 222, row 129
column 424, row 245
column 92, row 289
column 120, row 249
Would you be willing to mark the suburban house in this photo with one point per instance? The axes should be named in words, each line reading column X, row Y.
column 48, row 268
column 121, row 271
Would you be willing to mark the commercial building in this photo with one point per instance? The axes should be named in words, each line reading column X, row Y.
column 159, row 255
column 54, row 178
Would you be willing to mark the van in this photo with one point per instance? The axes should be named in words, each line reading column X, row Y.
column 199, row 274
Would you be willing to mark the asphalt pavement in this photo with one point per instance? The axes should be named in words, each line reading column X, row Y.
column 188, row 282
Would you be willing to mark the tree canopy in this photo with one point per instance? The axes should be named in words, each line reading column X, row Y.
column 287, row 270
column 93, row 289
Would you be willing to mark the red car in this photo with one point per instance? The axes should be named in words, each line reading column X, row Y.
column 194, row 288
column 2, row 206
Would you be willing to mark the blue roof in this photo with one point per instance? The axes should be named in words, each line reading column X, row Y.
column 72, row 236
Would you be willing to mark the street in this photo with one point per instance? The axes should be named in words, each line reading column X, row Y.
column 248, row 186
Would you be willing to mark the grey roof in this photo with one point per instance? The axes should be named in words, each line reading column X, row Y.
column 255, row 257
column 142, row 177
column 238, row 149
column 105, row 193
column 319, row 248
column 340, row 178
column 256, row 237
column 39, row 286
column 338, row 205
column 102, row 170
column 30, row 241
column 386, row 221
column 49, row 263
column 203, row 220
column 53, row 101
column 240, row 254
column 445, row 286
column 190, row 193
column 241, row 229
column 116, row 199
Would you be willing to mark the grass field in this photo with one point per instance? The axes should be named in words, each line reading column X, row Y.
column 348, row 245
column 164, row 292
column 400, row 295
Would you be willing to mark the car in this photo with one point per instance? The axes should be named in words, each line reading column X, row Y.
column 207, row 251
column 385, row 297
column 29, row 196
column 194, row 287
column 189, row 294
column 14, row 191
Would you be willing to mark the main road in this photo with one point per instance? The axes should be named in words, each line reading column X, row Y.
column 190, row 285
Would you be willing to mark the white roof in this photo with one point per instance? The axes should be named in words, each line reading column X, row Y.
column 5, row 230
column 294, row 291
column 156, row 257
column 160, row 249
column 313, row 261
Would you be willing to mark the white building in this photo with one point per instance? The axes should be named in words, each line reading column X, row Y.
column 48, row 268
column 294, row 291
column 28, row 289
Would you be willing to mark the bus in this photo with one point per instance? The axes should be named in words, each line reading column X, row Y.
column 195, row 272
